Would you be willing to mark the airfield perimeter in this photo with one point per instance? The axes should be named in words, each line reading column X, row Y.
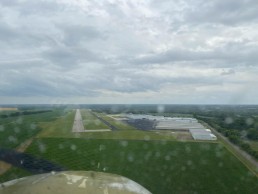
column 161, row 161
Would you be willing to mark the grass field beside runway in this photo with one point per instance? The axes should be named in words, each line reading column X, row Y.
column 120, row 125
column 15, row 130
column 161, row 166
column 61, row 127
column 91, row 122
column 153, row 159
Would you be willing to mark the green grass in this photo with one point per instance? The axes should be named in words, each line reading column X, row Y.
column 254, row 145
column 240, row 157
column 91, row 122
column 163, row 167
column 7, row 112
column 14, row 173
column 126, row 135
column 118, row 124
column 15, row 130
column 61, row 127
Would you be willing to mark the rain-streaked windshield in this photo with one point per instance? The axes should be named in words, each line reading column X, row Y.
column 128, row 96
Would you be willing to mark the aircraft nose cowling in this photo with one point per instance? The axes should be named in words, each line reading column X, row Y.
column 75, row 182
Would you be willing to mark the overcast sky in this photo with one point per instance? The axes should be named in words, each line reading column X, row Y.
column 129, row 51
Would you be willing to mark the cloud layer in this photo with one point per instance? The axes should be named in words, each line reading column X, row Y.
column 116, row 51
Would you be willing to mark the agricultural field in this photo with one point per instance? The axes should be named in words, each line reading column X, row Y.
column 91, row 122
column 8, row 109
column 15, row 130
column 160, row 166
column 159, row 160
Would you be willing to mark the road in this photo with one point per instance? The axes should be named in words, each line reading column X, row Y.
column 78, row 124
column 244, row 157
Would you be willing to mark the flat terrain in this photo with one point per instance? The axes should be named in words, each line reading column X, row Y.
column 118, row 124
column 254, row 145
column 78, row 124
column 4, row 167
column 8, row 109
column 158, row 160
column 91, row 122
column 142, row 124
column 60, row 127
column 16, row 130
column 161, row 166
column 245, row 158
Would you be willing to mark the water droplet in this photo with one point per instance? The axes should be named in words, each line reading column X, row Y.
column 124, row 143
column 19, row 120
column 17, row 130
column 73, row 147
column 161, row 108
column 187, row 149
column 1, row 128
column 157, row 154
column 32, row 126
column 130, row 158
column 61, row 146
column 167, row 158
column 220, row 164
column 249, row 121
column 42, row 148
column 12, row 139
column 189, row 162
column 229, row 120
column 102, row 147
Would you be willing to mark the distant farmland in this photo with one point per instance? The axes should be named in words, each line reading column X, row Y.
column 8, row 109
column 156, row 160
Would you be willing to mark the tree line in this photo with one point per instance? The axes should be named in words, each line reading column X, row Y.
column 20, row 113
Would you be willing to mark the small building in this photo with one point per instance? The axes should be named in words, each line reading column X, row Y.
column 203, row 130
column 203, row 136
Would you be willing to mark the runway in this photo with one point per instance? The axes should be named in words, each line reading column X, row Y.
column 78, row 124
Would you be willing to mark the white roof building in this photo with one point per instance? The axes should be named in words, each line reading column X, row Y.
column 204, row 136
column 197, row 130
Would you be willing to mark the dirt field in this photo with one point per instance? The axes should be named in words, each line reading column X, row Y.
column 8, row 109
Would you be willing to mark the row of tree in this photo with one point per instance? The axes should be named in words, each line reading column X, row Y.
column 234, row 135
column 20, row 113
